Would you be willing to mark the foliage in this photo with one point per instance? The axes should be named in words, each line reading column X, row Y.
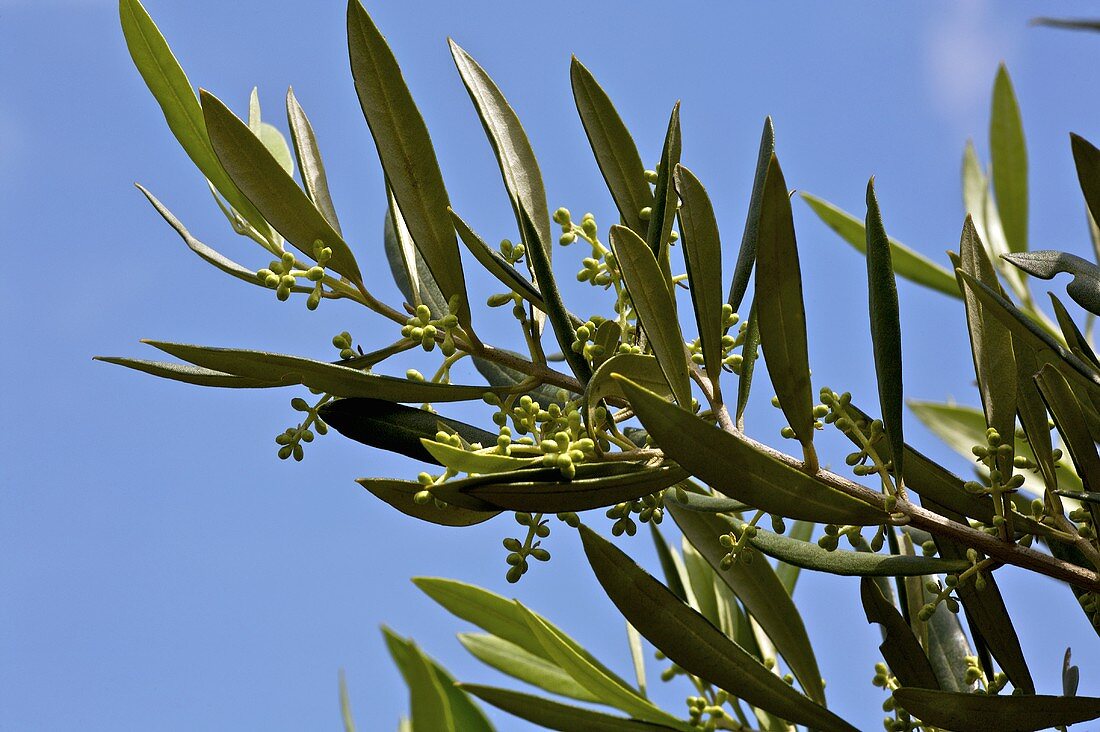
column 638, row 425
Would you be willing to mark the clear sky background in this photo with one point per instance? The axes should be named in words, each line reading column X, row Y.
column 160, row 568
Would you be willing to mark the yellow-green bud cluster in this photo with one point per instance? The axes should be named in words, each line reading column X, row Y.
column 343, row 342
column 585, row 344
column 282, row 275
column 538, row 528
column 423, row 329
column 512, row 252
column 738, row 548
column 290, row 440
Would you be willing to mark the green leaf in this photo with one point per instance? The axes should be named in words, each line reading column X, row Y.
column 900, row 648
column 663, row 213
column 277, row 145
column 498, row 266
column 759, row 589
column 396, row 428
column 749, row 353
column 656, row 308
column 544, row 490
column 1008, row 155
column 1075, row 339
column 209, row 255
column 707, row 503
column 948, row 648
column 436, row 702
column 427, row 701
column 731, row 466
column 345, row 705
column 274, row 193
column 1086, row 158
column 1070, row 421
column 1030, row 333
column 502, row 376
column 788, row 573
column 885, row 329
column 464, row 461
column 991, row 344
column 406, row 152
column 637, row 656
column 639, row 368
column 399, row 494
column 1045, row 263
column 978, row 712
column 746, row 255
column 189, row 374
column 608, row 689
column 407, row 266
column 554, row 715
column 671, row 565
column 310, row 163
column 701, row 580
column 907, row 263
column 508, row 658
column 1032, row 411
column 780, row 309
column 614, row 148
column 703, row 257
column 173, row 92
column 692, row 643
column 1071, row 676
column 331, row 378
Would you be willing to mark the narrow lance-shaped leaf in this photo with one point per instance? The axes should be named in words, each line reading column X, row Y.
column 407, row 267
column 554, row 715
column 641, row 369
column 663, row 213
column 1008, row 154
column 269, row 135
column 781, row 312
column 1068, row 418
column 733, row 467
column 703, row 257
column 498, row 266
column 406, row 152
column 760, row 590
column 692, row 643
column 399, row 494
column 1032, row 411
column 990, row 345
column 746, row 255
column 616, row 154
column 1086, row 158
column 900, row 648
column 788, row 573
column 1073, row 336
column 508, row 658
column 189, row 374
column 649, row 291
column 310, row 163
column 907, row 263
column 885, row 329
column 671, row 566
column 749, row 351
column 271, row 189
column 173, row 92
column 979, row 712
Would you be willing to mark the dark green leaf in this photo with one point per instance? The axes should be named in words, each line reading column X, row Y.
column 547, row 491
column 749, row 351
column 1032, row 411
column 309, row 160
column 1086, row 157
column 210, row 255
column 788, row 573
column 948, row 648
column 656, row 308
column 979, row 713
column 331, row 378
column 508, row 658
column 780, row 309
column 1071, row 676
column 991, row 344
column 663, row 213
column 730, row 465
column 407, row 266
column 555, row 715
column 497, row 265
column 907, row 263
column 274, row 193
column 1070, row 421
column 703, row 257
column 1045, row 263
column 189, row 374
column 406, row 152
column 1008, row 155
column 614, row 148
column 900, row 648
column 746, row 255
column 707, row 503
column 399, row 494
column 173, row 92
column 692, row 643
column 394, row 427
column 1067, row 23
column 885, row 329
column 671, row 565
column 761, row 592
column 1075, row 339
column 639, row 368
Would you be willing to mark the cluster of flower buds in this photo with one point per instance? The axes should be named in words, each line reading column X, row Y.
column 290, row 440
column 422, row 328
column 343, row 342
column 282, row 275
column 538, row 528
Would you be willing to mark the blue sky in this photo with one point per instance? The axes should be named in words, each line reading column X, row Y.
column 160, row 567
